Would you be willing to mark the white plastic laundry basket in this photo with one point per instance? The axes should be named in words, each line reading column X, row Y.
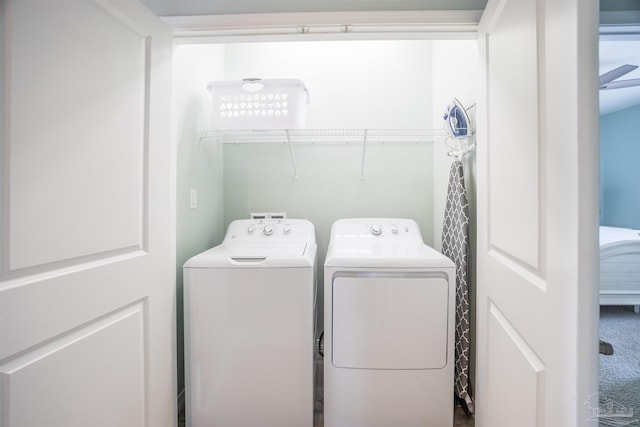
column 259, row 104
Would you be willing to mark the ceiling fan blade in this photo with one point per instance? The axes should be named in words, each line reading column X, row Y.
column 616, row 73
column 620, row 84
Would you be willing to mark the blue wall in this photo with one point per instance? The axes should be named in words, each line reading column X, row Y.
column 620, row 168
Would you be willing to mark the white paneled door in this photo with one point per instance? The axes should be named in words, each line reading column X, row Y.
column 538, row 215
column 87, row 335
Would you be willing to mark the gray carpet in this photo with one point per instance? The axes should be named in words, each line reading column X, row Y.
column 460, row 418
column 620, row 372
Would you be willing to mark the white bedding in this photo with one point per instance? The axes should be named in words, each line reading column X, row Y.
column 620, row 267
column 614, row 234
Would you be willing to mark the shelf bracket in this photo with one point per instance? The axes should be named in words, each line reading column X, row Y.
column 293, row 158
column 364, row 150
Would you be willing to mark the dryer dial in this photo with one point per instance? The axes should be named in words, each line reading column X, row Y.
column 267, row 230
column 376, row 229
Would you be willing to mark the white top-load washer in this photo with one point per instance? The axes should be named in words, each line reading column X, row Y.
column 249, row 327
column 389, row 327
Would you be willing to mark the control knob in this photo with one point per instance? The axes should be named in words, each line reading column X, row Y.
column 376, row 229
column 267, row 230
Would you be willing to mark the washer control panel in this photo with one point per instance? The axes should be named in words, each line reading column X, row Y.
column 376, row 229
column 286, row 229
column 268, row 228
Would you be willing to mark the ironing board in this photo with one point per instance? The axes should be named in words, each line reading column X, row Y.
column 455, row 245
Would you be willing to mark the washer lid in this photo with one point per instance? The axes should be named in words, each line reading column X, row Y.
column 265, row 250
column 274, row 254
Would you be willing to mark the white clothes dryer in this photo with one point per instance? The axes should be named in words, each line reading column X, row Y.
column 389, row 327
column 249, row 327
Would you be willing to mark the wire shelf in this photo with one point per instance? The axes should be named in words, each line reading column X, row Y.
column 363, row 137
column 325, row 136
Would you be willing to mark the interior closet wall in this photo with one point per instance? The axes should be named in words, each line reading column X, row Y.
column 363, row 84
column 199, row 164
column 619, row 172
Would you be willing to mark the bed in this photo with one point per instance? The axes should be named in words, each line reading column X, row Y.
column 620, row 266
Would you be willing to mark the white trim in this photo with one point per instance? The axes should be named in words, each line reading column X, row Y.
column 491, row 13
column 394, row 24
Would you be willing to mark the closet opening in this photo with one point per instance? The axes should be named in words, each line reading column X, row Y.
column 373, row 143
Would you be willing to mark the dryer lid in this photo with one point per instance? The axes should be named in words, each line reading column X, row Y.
column 381, row 242
column 386, row 256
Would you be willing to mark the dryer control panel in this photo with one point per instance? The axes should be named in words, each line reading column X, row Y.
column 398, row 228
column 389, row 242
column 393, row 228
